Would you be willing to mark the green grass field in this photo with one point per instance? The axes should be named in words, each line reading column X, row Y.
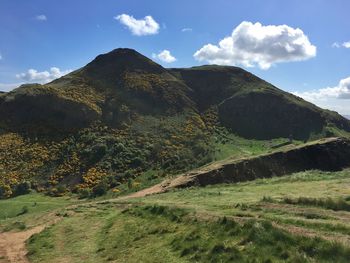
column 221, row 198
column 303, row 217
column 28, row 210
column 162, row 234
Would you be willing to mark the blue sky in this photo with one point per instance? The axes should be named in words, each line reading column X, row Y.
column 53, row 37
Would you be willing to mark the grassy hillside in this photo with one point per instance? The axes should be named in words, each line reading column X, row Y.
column 122, row 115
column 298, row 218
column 105, row 158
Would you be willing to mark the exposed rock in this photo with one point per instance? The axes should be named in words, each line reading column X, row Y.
column 331, row 154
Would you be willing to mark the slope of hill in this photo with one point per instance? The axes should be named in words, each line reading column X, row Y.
column 123, row 116
column 253, row 108
column 280, row 219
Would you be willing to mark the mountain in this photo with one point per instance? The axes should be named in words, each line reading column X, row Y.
column 246, row 104
column 123, row 116
column 347, row 116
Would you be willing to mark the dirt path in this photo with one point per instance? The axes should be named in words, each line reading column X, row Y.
column 12, row 245
column 156, row 189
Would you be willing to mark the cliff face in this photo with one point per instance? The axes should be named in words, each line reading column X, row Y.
column 327, row 155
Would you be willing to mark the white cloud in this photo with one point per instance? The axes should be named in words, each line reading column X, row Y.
column 336, row 45
column 341, row 91
column 346, row 44
column 254, row 44
column 139, row 27
column 335, row 98
column 42, row 77
column 186, row 29
column 41, row 17
column 164, row 56
column 34, row 76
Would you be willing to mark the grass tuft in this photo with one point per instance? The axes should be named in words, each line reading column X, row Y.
column 339, row 204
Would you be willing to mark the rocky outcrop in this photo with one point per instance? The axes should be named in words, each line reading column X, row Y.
column 330, row 154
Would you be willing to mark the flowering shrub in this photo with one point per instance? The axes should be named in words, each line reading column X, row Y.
column 100, row 154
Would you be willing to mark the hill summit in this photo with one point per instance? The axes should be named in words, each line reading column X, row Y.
column 123, row 114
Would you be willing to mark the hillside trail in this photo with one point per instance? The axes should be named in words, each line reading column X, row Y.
column 13, row 244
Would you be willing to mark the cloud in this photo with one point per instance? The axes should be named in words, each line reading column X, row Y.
column 341, row 91
column 344, row 44
column 34, row 76
column 164, row 56
column 0, row 56
column 139, row 27
column 254, row 44
column 335, row 98
column 41, row 17
column 186, row 29
column 42, row 77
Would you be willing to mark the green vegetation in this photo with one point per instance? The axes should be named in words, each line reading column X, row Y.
column 28, row 210
column 222, row 198
column 228, row 145
column 225, row 223
column 34, row 203
column 98, row 157
column 162, row 234
column 339, row 204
